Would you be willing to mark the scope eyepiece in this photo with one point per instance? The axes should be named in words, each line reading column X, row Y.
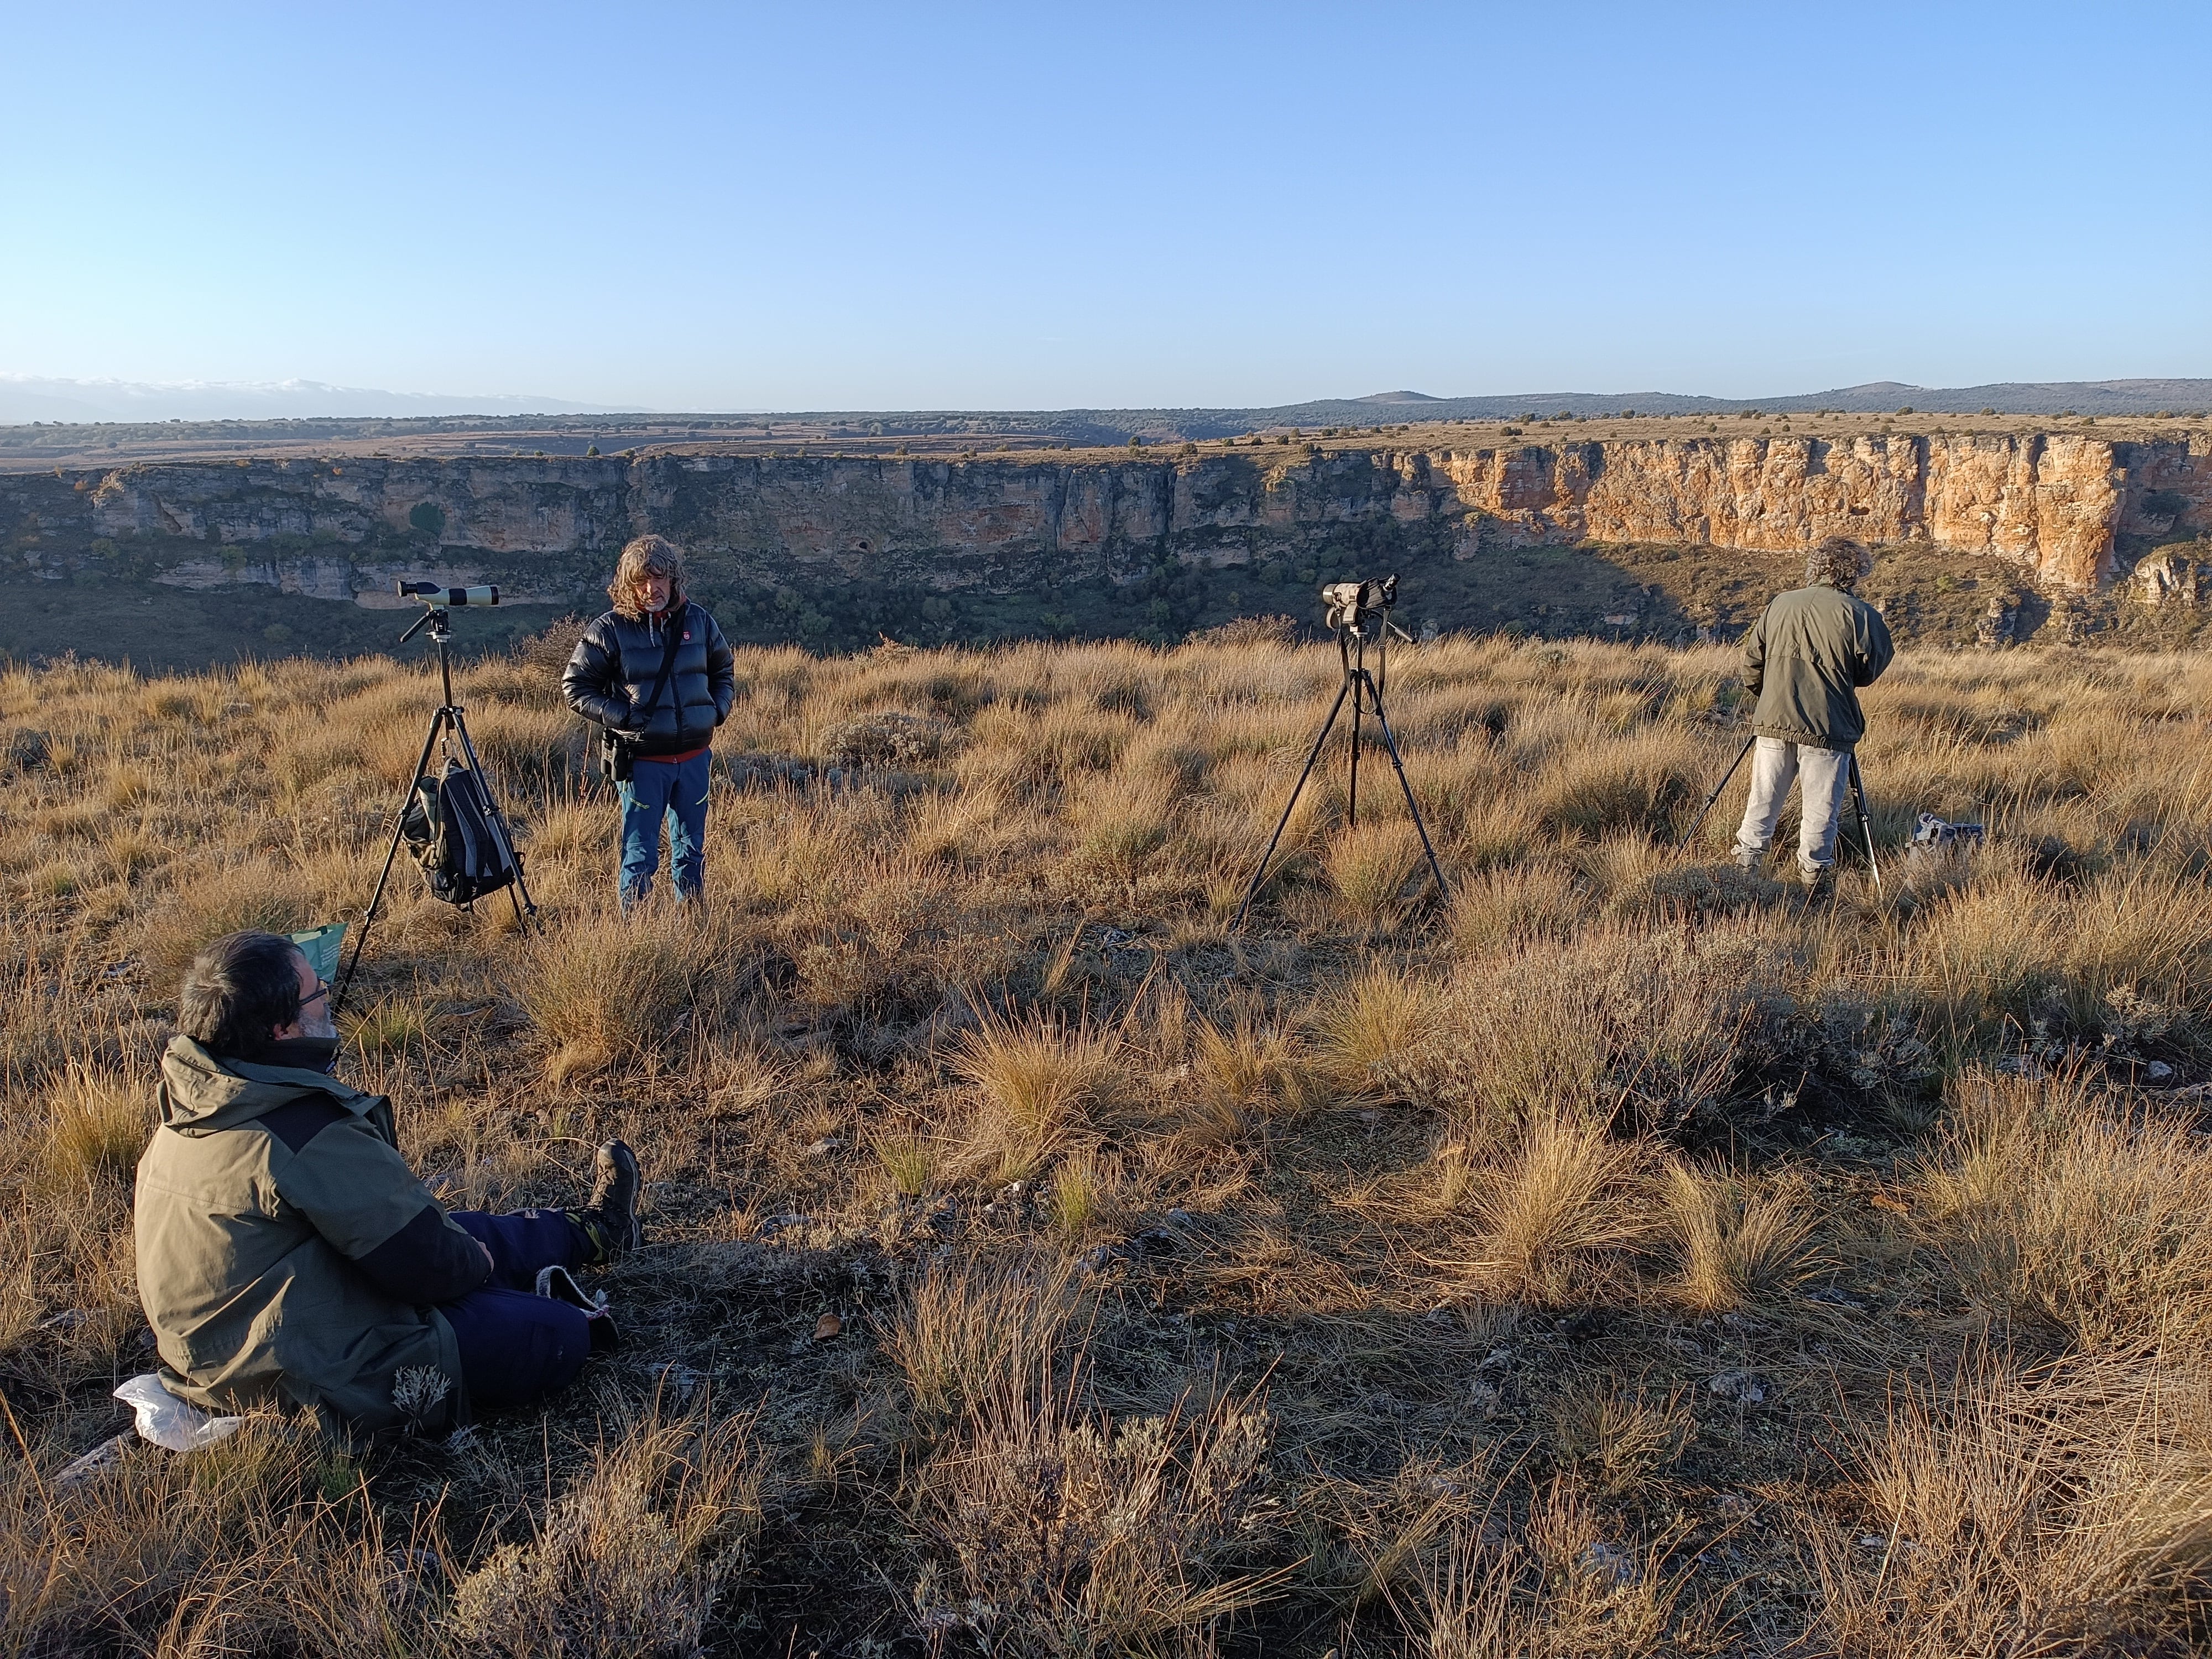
column 437, row 595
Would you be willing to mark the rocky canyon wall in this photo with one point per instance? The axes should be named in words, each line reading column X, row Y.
column 2061, row 507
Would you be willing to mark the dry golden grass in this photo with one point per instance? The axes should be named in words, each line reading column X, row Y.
column 1040, row 1081
column 1733, row 1245
column 1589, row 1265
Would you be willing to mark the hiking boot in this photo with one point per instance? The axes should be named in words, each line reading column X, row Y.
column 610, row 1221
column 1748, row 861
column 1819, row 884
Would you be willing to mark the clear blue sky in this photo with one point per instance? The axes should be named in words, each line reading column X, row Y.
column 1051, row 205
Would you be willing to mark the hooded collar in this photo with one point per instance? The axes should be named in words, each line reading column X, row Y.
column 202, row 1093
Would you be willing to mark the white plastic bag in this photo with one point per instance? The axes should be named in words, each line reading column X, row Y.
column 170, row 1422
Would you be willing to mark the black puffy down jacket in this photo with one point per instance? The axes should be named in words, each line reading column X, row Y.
column 614, row 664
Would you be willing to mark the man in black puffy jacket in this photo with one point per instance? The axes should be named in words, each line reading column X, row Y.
column 656, row 671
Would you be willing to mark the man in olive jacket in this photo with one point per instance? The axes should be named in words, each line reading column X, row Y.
column 1805, row 661
column 288, row 1255
column 656, row 671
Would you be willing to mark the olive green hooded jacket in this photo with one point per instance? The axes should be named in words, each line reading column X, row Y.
column 286, row 1252
column 1805, row 661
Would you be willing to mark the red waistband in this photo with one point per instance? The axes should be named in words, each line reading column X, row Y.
column 674, row 760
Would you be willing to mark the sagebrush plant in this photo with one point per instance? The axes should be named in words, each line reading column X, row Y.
column 1593, row 1262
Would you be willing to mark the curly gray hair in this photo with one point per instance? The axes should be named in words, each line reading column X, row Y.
column 654, row 555
column 1839, row 562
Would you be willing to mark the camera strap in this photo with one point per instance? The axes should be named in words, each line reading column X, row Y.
column 668, row 660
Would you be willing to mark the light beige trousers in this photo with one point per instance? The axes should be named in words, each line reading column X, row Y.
column 1823, row 777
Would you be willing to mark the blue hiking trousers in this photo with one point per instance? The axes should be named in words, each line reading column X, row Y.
column 657, row 790
column 516, row 1344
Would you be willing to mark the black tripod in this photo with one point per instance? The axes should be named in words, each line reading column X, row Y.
column 1355, row 618
column 448, row 727
column 1866, row 824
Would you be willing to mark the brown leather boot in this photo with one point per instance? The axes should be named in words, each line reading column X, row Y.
column 610, row 1222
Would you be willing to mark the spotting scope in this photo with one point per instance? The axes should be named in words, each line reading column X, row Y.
column 437, row 595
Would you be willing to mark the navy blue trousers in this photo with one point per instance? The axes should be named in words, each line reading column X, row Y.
column 515, row 1344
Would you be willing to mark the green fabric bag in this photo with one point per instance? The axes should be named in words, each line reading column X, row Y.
column 321, row 947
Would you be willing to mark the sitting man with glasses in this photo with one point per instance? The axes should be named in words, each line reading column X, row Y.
column 288, row 1257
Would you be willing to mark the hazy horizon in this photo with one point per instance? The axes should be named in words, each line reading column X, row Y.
column 32, row 400
column 702, row 208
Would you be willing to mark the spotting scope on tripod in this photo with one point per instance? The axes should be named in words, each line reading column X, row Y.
column 1358, row 614
column 450, row 817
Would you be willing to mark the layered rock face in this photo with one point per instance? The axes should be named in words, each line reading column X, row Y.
column 2056, row 506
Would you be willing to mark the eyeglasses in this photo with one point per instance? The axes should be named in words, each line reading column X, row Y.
column 322, row 989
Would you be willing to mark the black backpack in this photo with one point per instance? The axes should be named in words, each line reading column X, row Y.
column 448, row 827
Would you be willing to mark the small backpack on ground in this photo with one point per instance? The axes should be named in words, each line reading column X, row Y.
column 448, row 828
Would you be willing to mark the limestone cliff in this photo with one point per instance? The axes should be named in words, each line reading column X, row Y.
column 2059, row 506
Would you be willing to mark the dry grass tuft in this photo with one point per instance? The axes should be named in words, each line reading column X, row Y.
column 1378, row 1022
column 969, row 1331
column 2065, row 1510
column 96, row 1125
column 2046, row 1204
column 603, row 989
column 1732, row 1245
column 1040, row 1078
column 1553, row 1210
column 1559, row 1588
column 1369, row 867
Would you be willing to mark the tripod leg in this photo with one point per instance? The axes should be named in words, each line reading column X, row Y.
column 1390, row 744
column 1699, row 822
column 1283, row 824
column 1358, row 679
column 390, row 853
column 496, row 819
column 1866, row 824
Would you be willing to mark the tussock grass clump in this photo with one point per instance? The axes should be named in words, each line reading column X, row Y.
column 2061, row 1509
column 1369, row 867
column 910, row 1162
column 1637, row 783
column 2047, row 1203
column 1366, row 1034
column 1122, row 822
column 605, row 989
column 1617, row 1438
column 1496, row 909
column 1553, row 1210
column 1732, row 1244
column 1616, row 1024
column 989, row 1329
column 1556, row 1584
column 96, row 1125
column 1039, row 1078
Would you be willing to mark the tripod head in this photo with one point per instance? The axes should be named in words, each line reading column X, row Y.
column 435, row 600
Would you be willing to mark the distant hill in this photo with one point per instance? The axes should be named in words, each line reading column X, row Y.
column 1116, row 426
column 126, row 421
